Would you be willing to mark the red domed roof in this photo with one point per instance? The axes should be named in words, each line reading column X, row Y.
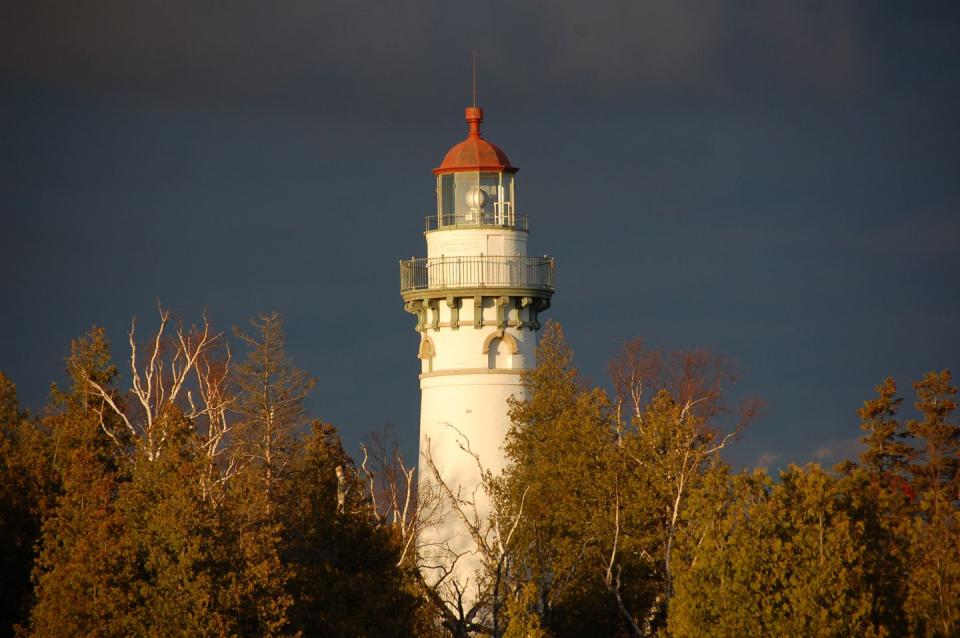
column 475, row 153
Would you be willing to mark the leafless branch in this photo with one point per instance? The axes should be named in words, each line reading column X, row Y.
column 163, row 382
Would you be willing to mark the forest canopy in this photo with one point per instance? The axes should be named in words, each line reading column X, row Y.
column 192, row 494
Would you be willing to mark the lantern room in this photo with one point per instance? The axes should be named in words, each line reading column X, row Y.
column 476, row 184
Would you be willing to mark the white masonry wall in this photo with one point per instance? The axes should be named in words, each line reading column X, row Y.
column 476, row 241
column 467, row 375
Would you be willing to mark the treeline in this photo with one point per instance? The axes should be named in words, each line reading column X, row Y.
column 631, row 524
column 204, row 501
column 192, row 505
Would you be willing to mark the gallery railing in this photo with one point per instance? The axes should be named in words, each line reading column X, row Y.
column 483, row 271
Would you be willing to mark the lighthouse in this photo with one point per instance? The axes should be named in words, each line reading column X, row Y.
column 477, row 297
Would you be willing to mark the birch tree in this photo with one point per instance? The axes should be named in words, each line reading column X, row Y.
column 674, row 418
column 134, row 546
column 180, row 369
column 610, row 481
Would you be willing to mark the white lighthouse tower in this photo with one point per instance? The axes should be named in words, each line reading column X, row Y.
column 477, row 297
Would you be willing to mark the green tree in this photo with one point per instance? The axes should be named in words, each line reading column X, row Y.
column 26, row 492
column 933, row 603
column 185, row 571
column 270, row 408
column 887, row 450
column 606, row 487
column 524, row 622
column 725, row 589
column 880, row 500
column 344, row 580
column 84, row 569
column 670, row 451
column 669, row 445
column 785, row 559
column 134, row 546
column 560, row 468
column 936, row 470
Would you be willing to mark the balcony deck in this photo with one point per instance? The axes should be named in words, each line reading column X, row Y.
column 479, row 272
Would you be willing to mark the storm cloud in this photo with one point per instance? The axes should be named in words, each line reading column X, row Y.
column 777, row 181
column 337, row 56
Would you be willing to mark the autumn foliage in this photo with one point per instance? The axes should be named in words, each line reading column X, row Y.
column 204, row 501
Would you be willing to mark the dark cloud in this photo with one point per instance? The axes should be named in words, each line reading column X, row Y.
column 775, row 180
column 337, row 56
column 204, row 51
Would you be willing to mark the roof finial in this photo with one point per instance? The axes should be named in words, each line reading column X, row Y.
column 474, row 113
column 474, row 78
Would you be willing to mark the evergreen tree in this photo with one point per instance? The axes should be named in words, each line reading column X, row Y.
column 887, row 452
column 627, row 525
column 26, row 492
column 606, row 500
column 725, row 587
column 936, row 470
column 344, row 575
column 563, row 471
column 271, row 414
column 84, row 567
column 185, row 573
column 880, row 500
column 933, row 604
column 270, row 408
column 785, row 559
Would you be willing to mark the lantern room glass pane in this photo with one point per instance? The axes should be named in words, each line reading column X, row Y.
column 475, row 198
column 507, row 186
column 506, row 210
column 490, row 183
column 446, row 199
column 469, row 200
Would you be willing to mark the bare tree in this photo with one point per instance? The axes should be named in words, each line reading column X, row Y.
column 212, row 421
column 679, row 423
column 392, row 491
column 415, row 509
column 185, row 370
column 270, row 406
column 492, row 535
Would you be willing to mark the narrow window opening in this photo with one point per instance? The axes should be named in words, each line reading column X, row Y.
column 499, row 355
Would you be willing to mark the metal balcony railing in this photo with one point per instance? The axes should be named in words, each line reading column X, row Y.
column 510, row 221
column 482, row 271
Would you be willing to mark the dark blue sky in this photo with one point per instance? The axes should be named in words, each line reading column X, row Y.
column 776, row 181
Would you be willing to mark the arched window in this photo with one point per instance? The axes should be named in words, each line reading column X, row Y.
column 426, row 354
column 498, row 356
column 500, row 347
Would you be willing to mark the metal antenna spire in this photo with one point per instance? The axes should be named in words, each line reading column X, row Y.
column 474, row 77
